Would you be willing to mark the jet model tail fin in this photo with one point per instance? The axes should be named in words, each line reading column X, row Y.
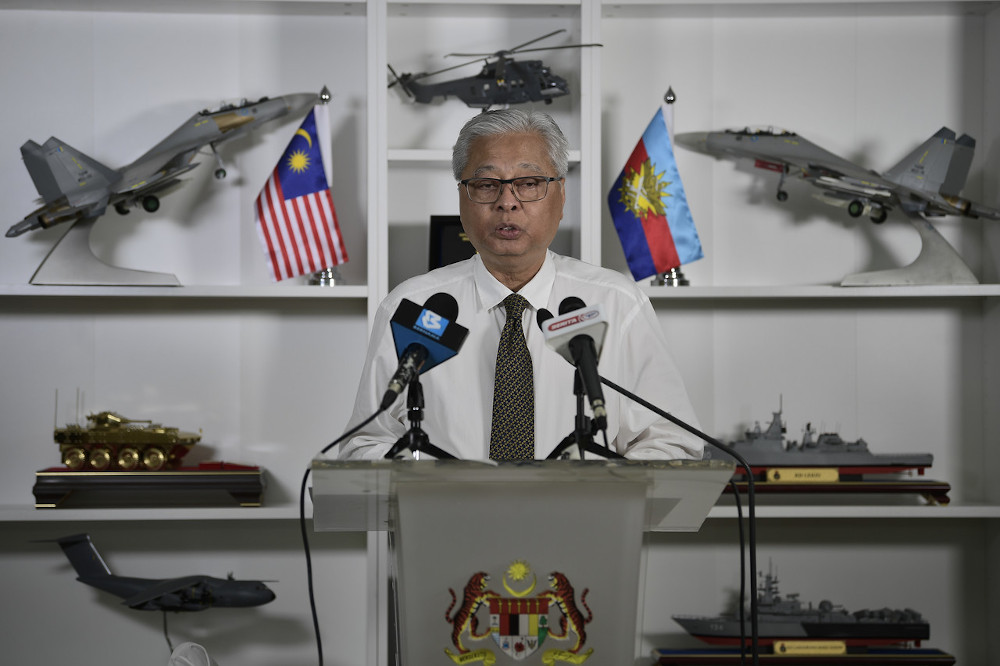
column 939, row 165
column 83, row 555
column 58, row 170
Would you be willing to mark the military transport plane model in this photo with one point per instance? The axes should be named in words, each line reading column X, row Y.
column 76, row 187
column 188, row 593
column 928, row 181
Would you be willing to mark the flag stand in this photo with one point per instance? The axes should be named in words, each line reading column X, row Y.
column 672, row 278
column 328, row 277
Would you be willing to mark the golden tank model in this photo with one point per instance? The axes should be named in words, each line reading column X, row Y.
column 113, row 442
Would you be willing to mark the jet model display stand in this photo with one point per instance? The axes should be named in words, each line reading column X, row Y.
column 937, row 263
column 72, row 262
column 528, row 562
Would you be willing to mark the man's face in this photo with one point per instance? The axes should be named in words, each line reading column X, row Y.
column 511, row 237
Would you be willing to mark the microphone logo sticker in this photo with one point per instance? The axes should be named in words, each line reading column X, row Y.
column 431, row 323
column 575, row 319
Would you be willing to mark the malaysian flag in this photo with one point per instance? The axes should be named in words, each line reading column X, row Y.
column 294, row 213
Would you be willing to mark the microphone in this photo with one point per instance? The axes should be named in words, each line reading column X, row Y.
column 578, row 336
column 425, row 336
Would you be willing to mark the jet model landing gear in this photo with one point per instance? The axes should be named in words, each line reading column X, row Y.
column 781, row 194
column 220, row 171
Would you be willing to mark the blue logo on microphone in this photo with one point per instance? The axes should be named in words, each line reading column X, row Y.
column 431, row 323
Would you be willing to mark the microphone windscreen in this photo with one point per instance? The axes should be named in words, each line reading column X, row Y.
column 542, row 317
column 571, row 303
column 443, row 304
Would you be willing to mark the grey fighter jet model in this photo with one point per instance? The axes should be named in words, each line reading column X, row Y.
column 76, row 187
column 188, row 593
column 928, row 181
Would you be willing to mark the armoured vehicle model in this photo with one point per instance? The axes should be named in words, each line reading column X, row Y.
column 114, row 442
column 764, row 449
column 787, row 619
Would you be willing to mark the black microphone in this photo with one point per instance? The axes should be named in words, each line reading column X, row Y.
column 424, row 336
column 577, row 335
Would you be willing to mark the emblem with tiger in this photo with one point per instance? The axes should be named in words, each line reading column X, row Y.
column 563, row 595
column 476, row 594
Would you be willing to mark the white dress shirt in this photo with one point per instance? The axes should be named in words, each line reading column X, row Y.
column 458, row 394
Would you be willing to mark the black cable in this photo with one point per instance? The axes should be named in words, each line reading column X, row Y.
column 743, row 574
column 751, row 502
column 305, row 534
column 166, row 634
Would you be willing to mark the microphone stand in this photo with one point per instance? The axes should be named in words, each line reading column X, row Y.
column 583, row 432
column 415, row 439
column 751, row 504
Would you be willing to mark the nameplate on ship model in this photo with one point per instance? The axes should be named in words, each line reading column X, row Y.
column 802, row 475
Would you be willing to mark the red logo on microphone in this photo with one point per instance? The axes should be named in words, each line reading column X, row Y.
column 570, row 321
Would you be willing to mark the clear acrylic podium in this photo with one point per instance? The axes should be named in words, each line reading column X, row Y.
column 517, row 563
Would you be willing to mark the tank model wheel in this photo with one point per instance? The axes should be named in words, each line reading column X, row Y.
column 100, row 459
column 128, row 458
column 75, row 458
column 154, row 459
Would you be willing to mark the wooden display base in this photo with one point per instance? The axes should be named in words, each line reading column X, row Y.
column 208, row 484
column 935, row 492
column 870, row 657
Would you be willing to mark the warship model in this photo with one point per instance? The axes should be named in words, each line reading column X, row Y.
column 114, row 442
column 787, row 619
column 768, row 448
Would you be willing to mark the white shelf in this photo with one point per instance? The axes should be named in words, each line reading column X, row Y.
column 230, row 292
column 20, row 514
column 821, row 292
column 431, row 156
column 869, row 512
column 951, row 512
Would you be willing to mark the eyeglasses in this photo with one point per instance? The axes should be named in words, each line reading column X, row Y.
column 525, row 188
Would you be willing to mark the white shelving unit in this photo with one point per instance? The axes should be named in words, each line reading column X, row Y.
column 268, row 371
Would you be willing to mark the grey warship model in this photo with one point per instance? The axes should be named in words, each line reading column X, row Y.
column 785, row 618
column 768, row 448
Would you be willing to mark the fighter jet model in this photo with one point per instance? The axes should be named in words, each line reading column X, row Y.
column 926, row 183
column 502, row 80
column 188, row 593
column 76, row 187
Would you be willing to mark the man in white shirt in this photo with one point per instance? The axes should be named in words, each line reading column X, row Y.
column 511, row 167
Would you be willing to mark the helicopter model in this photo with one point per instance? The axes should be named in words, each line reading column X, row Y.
column 503, row 79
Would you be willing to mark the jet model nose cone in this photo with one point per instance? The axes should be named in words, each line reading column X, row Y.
column 693, row 140
column 297, row 102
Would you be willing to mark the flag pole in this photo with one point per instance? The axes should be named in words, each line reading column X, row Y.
column 674, row 277
column 328, row 277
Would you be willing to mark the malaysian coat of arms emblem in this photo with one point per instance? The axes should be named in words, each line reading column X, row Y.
column 520, row 623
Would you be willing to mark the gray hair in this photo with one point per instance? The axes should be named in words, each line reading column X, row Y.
column 511, row 121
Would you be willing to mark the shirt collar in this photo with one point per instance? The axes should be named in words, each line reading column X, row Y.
column 492, row 292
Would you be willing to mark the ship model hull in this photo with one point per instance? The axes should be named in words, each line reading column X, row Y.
column 723, row 631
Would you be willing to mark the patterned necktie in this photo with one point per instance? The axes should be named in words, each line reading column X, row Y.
column 512, row 435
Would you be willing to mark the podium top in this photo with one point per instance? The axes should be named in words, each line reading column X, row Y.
column 356, row 495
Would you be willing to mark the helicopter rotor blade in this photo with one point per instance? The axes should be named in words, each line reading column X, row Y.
column 513, row 50
column 537, row 39
column 398, row 80
column 565, row 46
column 446, row 69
